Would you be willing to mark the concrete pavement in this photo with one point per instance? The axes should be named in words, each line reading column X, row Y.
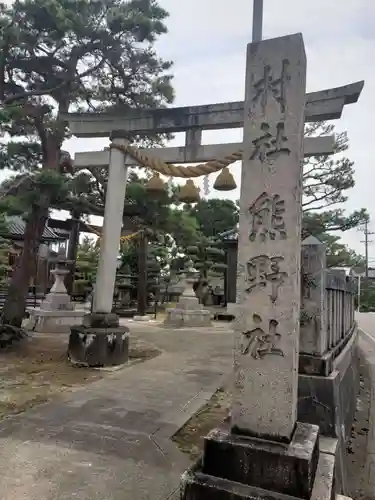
column 110, row 440
column 366, row 342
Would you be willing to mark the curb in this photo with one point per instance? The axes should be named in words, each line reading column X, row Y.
column 162, row 436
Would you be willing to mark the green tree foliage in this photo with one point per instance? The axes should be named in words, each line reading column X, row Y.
column 61, row 55
column 129, row 257
column 183, row 228
column 367, row 295
column 86, row 266
column 207, row 256
column 215, row 216
column 326, row 180
column 156, row 259
column 162, row 214
column 317, row 223
column 153, row 210
column 338, row 254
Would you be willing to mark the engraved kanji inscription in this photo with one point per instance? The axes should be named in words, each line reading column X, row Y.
column 262, row 271
column 267, row 218
column 268, row 147
column 260, row 341
column 269, row 87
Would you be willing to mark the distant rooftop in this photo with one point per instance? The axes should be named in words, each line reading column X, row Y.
column 16, row 230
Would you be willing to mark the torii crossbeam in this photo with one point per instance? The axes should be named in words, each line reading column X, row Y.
column 323, row 105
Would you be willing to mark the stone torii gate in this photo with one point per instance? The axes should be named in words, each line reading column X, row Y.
column 192, row 120
column 316, row 106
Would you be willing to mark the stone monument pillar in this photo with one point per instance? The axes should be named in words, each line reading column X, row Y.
column 269, row 240
column 101, row 341
column 313, row 334
column 266, row 453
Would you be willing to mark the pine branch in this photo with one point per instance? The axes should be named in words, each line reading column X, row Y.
column 32, row 93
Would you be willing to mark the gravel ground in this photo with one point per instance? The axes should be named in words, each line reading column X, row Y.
column 36, row 370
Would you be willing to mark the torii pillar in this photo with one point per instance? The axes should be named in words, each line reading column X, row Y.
column 101, row 341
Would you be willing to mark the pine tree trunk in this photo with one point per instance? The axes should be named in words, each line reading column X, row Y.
column 15, row 303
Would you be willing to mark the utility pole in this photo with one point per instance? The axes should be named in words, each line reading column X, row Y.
column 359, row 293
column 367, row 242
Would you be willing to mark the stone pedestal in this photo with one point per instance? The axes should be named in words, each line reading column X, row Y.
column 56, row 313
column 53, row 321
column 287, row 468
column 244, row 467
column 188, row 311
column 198, row 485
column 99, row 342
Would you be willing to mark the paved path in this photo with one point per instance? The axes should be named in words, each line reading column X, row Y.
column 366, row 322
column 110, row 440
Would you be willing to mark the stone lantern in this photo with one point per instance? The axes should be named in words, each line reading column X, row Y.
column 188, row 311
column 56, row 313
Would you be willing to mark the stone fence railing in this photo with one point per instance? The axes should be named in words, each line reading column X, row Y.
column 327, row 310
column 328, row 366
column 339, row 300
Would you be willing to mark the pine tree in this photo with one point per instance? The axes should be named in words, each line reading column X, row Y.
column 208, row 258
column 326, row 180
column 86, row 266
column 57, row 55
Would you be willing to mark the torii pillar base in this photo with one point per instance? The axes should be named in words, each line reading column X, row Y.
column 99, row 342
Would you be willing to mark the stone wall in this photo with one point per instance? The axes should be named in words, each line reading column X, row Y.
column 330, row 401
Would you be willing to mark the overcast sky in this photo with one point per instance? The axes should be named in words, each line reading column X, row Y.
column 207, row 42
